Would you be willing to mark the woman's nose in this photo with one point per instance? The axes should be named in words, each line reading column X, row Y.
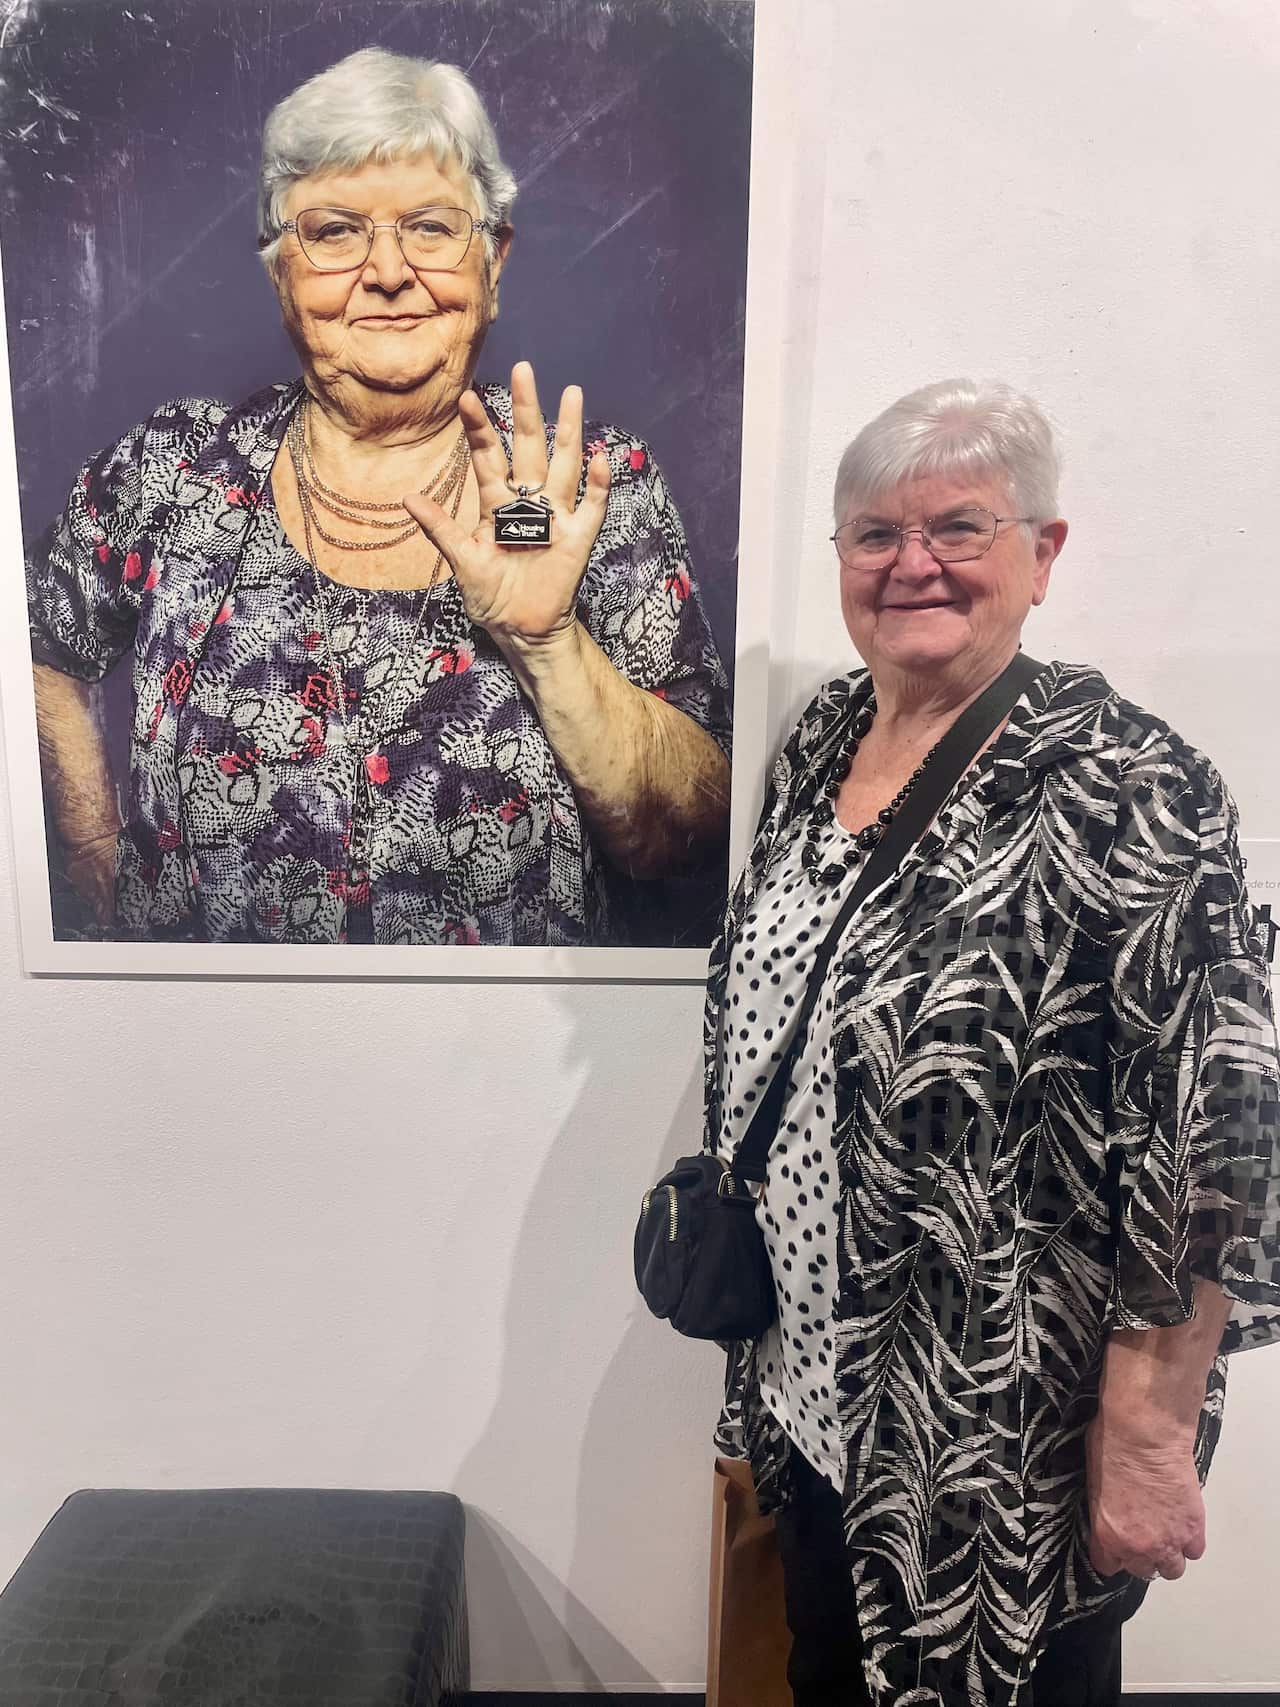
column 915, row 558
column 386, row 266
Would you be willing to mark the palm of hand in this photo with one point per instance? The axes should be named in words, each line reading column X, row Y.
column 529, row 592
column 523, row 596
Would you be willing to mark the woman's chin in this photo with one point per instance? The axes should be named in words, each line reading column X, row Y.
column 931, row 645
column 400, row 384
column 396, row 377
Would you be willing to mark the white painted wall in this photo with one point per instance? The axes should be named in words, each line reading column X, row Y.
column 427, row 1282
column 1079, row 196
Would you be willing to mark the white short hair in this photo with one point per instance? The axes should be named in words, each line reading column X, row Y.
column 380, row 106
column 955, row 427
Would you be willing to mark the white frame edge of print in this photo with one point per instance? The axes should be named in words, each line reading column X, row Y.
column 45, row 954
column 1262, row 879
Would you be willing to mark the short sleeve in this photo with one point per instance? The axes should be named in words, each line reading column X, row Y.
column 1194, row 1122
column 84, row 576
column 640, row 601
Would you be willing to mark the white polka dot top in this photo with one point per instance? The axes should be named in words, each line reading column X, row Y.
column 768, row 973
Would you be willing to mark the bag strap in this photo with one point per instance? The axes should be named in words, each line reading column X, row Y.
column 951, row 758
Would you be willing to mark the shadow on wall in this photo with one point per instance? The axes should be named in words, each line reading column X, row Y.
column 630, row 1489
column 597, row 1441
column 547, row 1631
column 531, row 1627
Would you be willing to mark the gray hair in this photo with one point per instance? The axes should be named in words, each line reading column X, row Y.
column 955, row 427
column 380, row 106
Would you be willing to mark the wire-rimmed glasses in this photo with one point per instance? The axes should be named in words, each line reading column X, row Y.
column 870, row 542
column 431, row 239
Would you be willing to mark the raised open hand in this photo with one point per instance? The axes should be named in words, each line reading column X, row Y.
column 523, row 597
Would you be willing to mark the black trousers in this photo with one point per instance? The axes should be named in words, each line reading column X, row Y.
column 1080, row 1666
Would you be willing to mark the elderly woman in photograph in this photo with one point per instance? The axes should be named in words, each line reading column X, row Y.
column 1023, row 1196
column 366, row 710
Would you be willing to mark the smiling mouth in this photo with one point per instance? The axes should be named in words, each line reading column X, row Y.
column 389, row 319
column 937, row 604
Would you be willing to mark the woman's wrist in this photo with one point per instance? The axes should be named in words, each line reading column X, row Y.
column 535, row 659
column 1154, row 1380
column 1133, row 1427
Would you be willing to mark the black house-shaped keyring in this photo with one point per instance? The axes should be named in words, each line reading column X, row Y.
column 524, row 521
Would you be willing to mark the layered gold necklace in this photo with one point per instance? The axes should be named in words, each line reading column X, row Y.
column 314, row 495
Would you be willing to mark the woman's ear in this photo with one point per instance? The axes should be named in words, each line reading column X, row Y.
column 1050, row 540
column 497, row 261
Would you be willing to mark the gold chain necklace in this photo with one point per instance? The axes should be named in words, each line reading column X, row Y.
column 355, row 509
column 354, row 733
column 313, row 492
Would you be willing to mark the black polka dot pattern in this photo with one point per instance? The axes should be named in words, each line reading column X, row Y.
column 781, row 933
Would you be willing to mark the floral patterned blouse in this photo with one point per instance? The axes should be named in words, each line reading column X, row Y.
column 1056, row 1106
column 241, row 788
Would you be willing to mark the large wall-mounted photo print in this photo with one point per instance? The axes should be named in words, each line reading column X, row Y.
column 377, row 408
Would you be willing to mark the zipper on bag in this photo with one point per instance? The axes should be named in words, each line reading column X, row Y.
column 671, row 1194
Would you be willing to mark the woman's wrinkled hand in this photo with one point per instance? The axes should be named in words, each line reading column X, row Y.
column 524, row 597
column 1146, row 1510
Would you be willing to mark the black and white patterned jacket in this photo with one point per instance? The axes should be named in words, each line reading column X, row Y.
column 1056, row 1107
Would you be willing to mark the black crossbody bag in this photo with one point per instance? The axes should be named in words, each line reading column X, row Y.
column 700, row 1258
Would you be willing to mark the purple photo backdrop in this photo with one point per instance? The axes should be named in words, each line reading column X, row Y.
column 131, row 137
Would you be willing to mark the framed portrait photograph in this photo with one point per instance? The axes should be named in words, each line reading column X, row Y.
column 375, row 459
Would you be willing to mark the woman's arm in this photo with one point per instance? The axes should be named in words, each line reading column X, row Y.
column 1192, row 1131
column 653, row 786
column 78, row 784
column 85, row 581
column 1146, row 1511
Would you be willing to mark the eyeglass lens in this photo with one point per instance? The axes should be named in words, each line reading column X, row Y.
column 430, row 237
column 868, row 543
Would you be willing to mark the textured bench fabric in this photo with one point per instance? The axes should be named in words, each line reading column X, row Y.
column 261, row 1597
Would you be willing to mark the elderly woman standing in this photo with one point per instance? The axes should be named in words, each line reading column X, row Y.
column 1022, row 1196
column 407, row 667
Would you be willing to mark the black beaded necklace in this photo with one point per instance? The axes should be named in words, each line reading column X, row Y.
column 822, row 868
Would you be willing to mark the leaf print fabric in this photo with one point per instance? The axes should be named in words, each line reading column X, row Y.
column 1056, row 1107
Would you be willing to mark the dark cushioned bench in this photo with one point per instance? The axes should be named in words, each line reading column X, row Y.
column 256, row 1597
